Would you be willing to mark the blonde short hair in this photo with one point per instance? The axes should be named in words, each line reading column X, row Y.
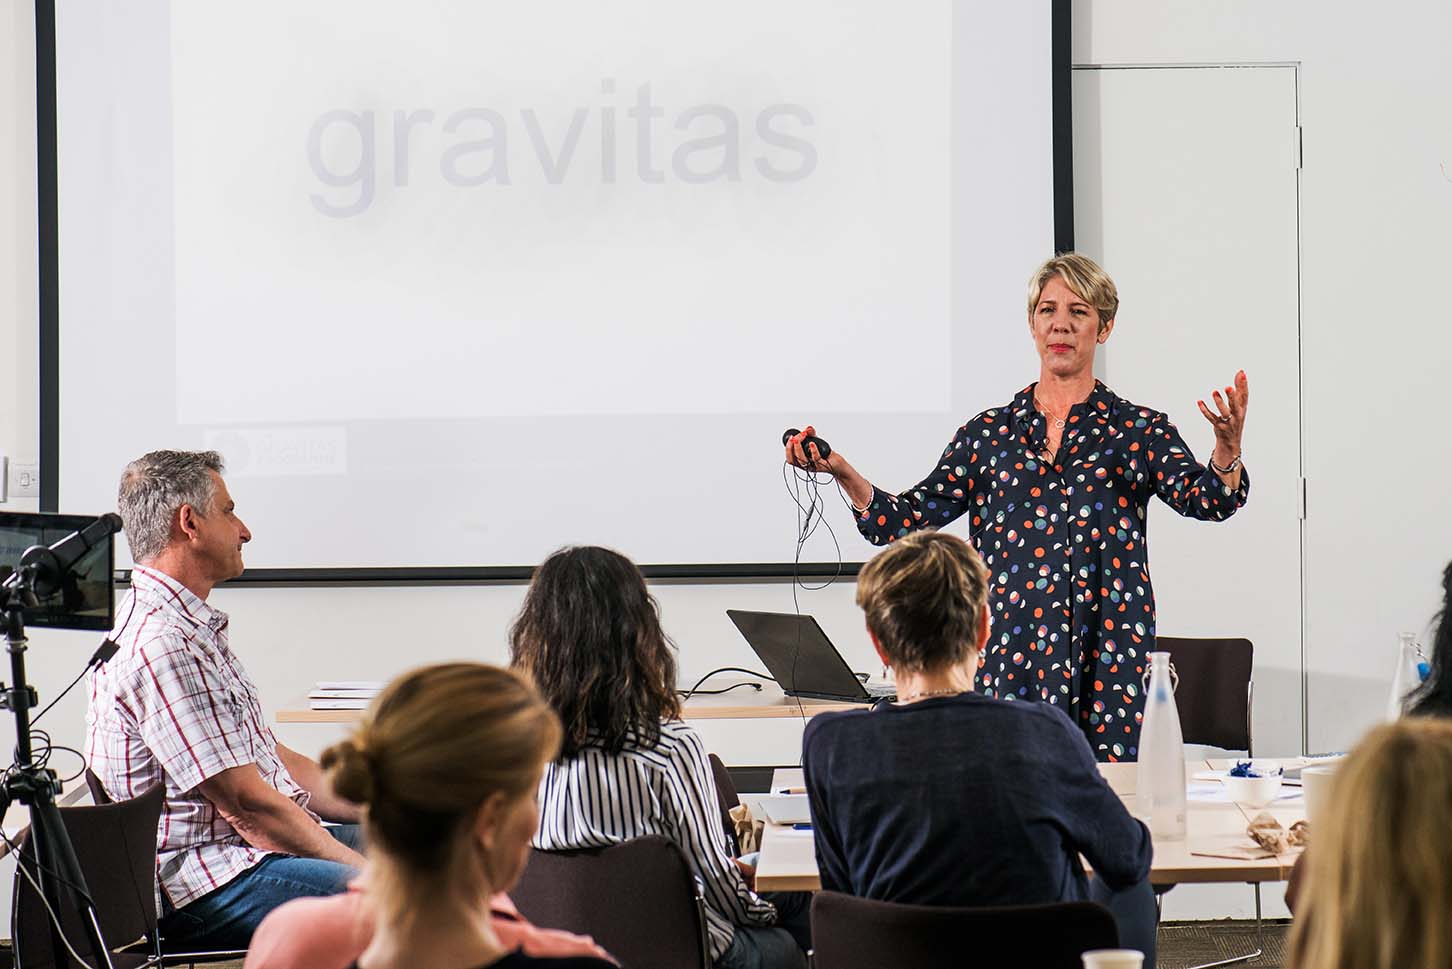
column 1084, row 277
column 923, row 598
column 1380, row 873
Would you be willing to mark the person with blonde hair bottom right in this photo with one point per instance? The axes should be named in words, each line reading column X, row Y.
column 445, row 765
column 1379, row 892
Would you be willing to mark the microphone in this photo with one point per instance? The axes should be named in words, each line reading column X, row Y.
column 103, row 652
column 823, row 448
column 47, row 567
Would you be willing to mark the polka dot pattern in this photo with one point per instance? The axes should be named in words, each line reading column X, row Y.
column 1064, row 540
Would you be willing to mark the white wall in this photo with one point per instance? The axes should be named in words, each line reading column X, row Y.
column 1375, row 92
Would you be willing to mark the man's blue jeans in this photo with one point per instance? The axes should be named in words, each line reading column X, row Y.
column 227, row 917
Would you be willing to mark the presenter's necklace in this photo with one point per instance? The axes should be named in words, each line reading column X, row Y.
column 1058, row 421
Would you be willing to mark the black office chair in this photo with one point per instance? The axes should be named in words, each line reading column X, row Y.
column 1215, row 699
column 1216, row 692
column 727, row 797
column 637, row 899
column 115, row 843
column 858, row 933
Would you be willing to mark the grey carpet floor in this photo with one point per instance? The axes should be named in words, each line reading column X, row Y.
column 1185, row 944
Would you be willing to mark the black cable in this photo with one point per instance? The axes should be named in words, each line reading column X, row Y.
column 16, row 849
column 46, row 709
column 695, row 689
column 809, row 518
column 734, row 686
column 48, row 746
column 94, row 662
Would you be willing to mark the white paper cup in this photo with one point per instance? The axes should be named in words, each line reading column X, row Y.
column 1317, row 784
column 1113, row 959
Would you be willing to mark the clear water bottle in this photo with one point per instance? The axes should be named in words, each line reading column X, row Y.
column 1161, row 782
column 1409, row 674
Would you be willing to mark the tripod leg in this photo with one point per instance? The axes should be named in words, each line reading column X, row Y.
column 59, row 875
column 27, row 865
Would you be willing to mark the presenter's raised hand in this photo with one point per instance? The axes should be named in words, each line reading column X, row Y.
column 1228, row 420
column 804, row 455
column 808, row 457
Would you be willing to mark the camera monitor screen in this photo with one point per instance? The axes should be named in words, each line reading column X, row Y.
column 86, row 599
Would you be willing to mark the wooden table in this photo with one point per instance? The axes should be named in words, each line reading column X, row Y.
column 769, row 704
column 789, row 861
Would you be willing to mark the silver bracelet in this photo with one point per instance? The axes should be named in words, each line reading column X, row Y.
column 1230, row 470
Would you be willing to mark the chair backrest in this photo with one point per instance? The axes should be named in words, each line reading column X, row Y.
column 98, row 790
column 1214, row 697
column 726, row 796
column 637, row 899
column 859, row 933
column 116, row 847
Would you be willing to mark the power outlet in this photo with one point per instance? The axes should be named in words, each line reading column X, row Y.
column 24, row 480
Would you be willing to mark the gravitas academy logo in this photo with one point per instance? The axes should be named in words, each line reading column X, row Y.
column 477, row 146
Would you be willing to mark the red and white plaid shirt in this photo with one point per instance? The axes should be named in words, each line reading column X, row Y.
column 175, row 706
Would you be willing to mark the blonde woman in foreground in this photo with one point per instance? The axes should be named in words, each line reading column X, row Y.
column 445, row 766
column 1380, row 881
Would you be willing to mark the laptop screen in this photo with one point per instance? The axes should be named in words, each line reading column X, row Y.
column 798, row 654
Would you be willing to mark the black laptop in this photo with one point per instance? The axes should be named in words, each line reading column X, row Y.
column 802, row 659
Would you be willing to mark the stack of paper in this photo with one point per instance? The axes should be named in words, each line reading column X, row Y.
column 343, row 694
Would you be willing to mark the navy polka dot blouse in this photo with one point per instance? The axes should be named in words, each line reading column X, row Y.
column 1064, row 541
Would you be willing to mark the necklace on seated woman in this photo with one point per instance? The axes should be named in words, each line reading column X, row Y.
column 924, row 694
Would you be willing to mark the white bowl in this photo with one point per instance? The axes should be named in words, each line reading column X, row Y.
column 1253, row 791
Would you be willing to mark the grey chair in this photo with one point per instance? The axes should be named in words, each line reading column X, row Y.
column 638, row 900
column 859, row 933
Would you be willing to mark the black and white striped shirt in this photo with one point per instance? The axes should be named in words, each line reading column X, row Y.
column 596, row 799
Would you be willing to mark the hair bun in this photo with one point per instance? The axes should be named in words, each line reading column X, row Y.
column 351, row 771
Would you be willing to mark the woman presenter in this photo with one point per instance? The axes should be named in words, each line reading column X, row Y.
column 1057, row 485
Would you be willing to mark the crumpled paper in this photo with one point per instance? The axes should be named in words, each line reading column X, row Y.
column 748, row 829
column 1267, row 832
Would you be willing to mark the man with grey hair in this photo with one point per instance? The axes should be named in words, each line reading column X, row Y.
column 241, row 827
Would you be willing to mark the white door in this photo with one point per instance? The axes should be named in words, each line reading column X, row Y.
column 1185, row 189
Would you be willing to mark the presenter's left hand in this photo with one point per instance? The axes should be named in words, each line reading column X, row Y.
column 1229, row 422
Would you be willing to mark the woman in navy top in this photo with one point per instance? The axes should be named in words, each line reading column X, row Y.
column 949, row 797
column 1057, row 485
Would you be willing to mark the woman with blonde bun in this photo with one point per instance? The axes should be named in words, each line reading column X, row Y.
column 1379, row 889
column 445, row 766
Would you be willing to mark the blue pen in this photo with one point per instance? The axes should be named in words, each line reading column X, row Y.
column 802, row 826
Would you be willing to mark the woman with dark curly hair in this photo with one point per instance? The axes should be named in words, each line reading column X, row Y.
column 1434, row 697
column 589, row 636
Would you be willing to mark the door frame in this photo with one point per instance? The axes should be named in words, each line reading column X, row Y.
column 1298, row 148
